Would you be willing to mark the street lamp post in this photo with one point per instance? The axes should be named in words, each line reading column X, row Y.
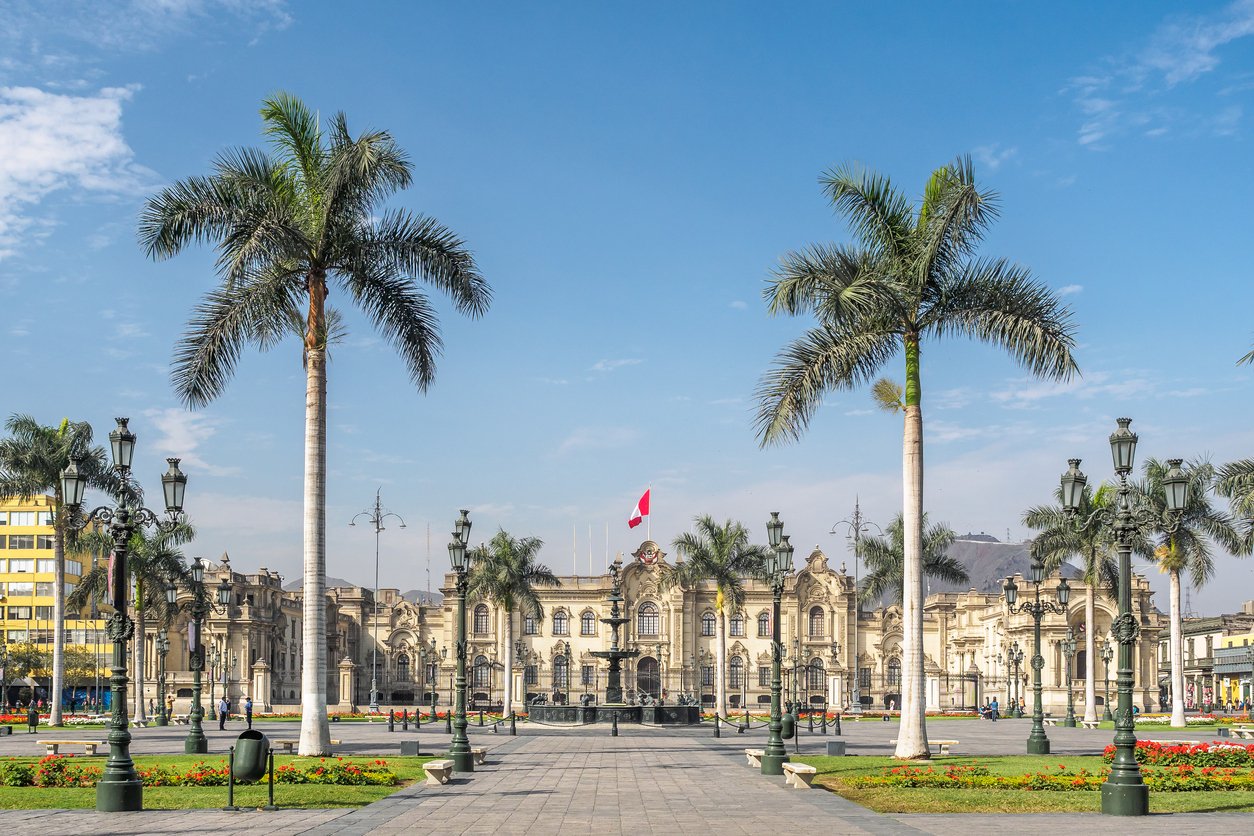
column 195, row 742
column 1124, row 792
column 162, row 644
column 1108, row 653
column 857, row 527
column 215, row 666
column 1016, row 659
column 375, row 515
column 780, row 562
column 119, row 787
column 1038, row 743
column 228, row 656
column 1068, row 652
column 459, row 751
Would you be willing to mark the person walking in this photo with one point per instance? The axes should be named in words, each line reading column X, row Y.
column 224, row 706
column 248, row 711
column 993, row 709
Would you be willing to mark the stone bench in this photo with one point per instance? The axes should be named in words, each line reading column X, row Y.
column 289, row 744
column 480, row 754
column 941, row 746
column 799, row 775
column 1172, row 742
column 1090, row 724
column 438, row 772
column 89, row 746
column 1050, row 721
column 1244, row 732
column 754, row 757
column 181, row 719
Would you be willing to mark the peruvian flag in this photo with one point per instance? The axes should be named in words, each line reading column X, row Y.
column 640, row 512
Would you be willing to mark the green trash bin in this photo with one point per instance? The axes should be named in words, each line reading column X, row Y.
column 252, row 748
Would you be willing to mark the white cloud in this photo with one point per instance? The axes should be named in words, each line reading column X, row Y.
column 54, row 142
column 993, row 156
column 1026, row 393
column 611, row 365
column 597, row 438
column 1070, row 290
column 738, row 305
column 1184, row 48
column 182, row 434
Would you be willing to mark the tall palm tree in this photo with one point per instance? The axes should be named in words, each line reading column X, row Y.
column 721, row 554
column 31, row 461
column 154, row 561
column 884, row 559
column 1187, row 549
column 505, row 572
column 1235, row 481
column 289, row 226
column 911, row 275
column 1058, row 541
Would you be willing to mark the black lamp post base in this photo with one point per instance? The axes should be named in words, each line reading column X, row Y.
column 121, row 796
column 1038, row 745
column 773, row 764
column 1069, row 723
column 1125, row 799
column 196, row 746
column 462, row 761
column 1107, row 717
column 160, row 721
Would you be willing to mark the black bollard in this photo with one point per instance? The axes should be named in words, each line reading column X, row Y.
column 230, row 782
column 481, row 717
column 811, row 715
column 836, row 725
column 391, row 719
column 418, row 717
column 495, row 727
column 823, row 725
column 404, row 719
column 270, row 806
column 448, row 722
column 717, row 730
column 748, row 722
column 614, row 725
column 513, row 729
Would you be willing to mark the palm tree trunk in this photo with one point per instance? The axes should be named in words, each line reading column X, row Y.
column 1177, row 652
column 315, row 736
column 1090, row 686
column 720, row 663
column 507, row 697
column 58, row 613
column 912, row 734
column 141, row 630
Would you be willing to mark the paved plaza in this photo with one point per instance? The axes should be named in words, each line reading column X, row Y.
column 645, row 781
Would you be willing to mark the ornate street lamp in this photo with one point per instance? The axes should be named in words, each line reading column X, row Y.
column 195, row 742
column 1108, row 653
column 1068, row 652
column 1015, row 655
column 459, row 751
column 375, row 516
column 215, row 665
column 779, row 562
column 228, row 656
column 162, row 644
column 119, row 787
column 1124, row 792
column 1038, row 743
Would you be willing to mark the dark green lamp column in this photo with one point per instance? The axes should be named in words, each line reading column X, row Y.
column 1038, row 742
column 459, row 750
column 775, row 755
column 1068, row 653
column 195, row 743
column 1108, row 653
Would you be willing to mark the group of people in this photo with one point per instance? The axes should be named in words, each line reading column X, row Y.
column 991, row 710
column 224, row 711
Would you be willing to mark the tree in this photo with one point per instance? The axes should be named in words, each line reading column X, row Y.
column 884, row 559
column 1187, row 549
column 154, row 561
column 1235, row 481
column 81, row 665
column 506, row 572
column 1095, row 546
column 289, row 226
column 911, row 275
column 31, row 461
column 721, row 554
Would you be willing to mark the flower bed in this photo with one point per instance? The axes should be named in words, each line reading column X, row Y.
column 1182, row 778
column 1153, row 753
column 67, row 771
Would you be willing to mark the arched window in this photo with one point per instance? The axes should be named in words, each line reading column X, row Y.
column 764, row 625
column 561, row 626
column 707, row 624
column 816, row 676
column 735, row 674
column 529, row 625
column 894, row 673
column 530, row 675
column 561, row 672
column 737, row 626
column 402, row 667
column 481, row 618
column 482, row 672
column 648, row 623
column 587, row 624
column 816, row 622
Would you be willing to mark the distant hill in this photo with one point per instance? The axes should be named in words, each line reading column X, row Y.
column 416, row 596
column 420, row 596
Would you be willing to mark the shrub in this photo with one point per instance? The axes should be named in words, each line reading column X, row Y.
column 61, row 771
column 1153, row 753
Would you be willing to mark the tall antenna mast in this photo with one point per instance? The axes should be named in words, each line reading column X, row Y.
column 428, row 563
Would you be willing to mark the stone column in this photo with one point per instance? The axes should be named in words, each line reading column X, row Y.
column 261, row 685
column 348, row 684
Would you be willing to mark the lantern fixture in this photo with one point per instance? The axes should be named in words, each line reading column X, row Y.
column 1073, row 482
column 174, row 484
column 224, row 593
column 1038, row 571
column 1064, row 592
column 1176, row 486
column 1012, row 591
column 122, row 443
column 774, row 528
column 457, row 552
column 1123, row 446
column 198, row 571
column 73, row 484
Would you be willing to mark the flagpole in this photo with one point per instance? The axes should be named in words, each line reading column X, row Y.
column 574, row 548
column 649, row 523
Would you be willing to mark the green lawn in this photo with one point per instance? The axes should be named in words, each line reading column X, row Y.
column 407, row 769
column 834, row 773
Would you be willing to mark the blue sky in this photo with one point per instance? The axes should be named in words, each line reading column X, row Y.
column 627, row 175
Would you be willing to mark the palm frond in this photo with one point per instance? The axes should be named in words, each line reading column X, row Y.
column 880, row 215
column 422, row 248
column 952, row 218
column 403, row 314
column 294, row 128
column 888, row 395
column 834, row 283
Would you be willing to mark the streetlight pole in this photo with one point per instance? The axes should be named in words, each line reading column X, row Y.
column 459, row 751
column 775, row 755
column 162, row 644
column 857, row 527
column 375, row 515
column 195, row 742
column 1124, row 793
column 1016, row 658
column 1108, row 653
column 1068, row 652
column 120, row 787
column 1038, row 743
column 215, row 665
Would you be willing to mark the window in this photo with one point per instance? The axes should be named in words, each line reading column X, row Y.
column 43, row 541
column 736, row 672
column 764, row 625
column 529, row 625
column 648, row 622
column 864, row 679
column 764, row 676
column 45, row 518
column 48, row 566
column 585, row 674
column 587, row 624
column 816, row 676
column 21, row 588
column 21, row 541
column 21, row 518
column 561, row 670
column 707, row 676
column 482, row 672
column 402, row 667
column 43, row 613
column 481, row 618
column 17, row 636
column 707, row 624
column 816, row 622
column 738, row 624
column 44, row 588
column 4, row 518
column 19, row 613
column 894, row 673
column 73, row 567
column 21, row 565
column 530, row 675
column 561, row 625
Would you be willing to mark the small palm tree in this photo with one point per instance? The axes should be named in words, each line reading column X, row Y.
column 31, row 461
column 1058, row 541
column 505, row 572
column 290, row 227
column 721, row 554
column 913, row 275
column 154, row 561
column 1186, row 549
column 884, row 559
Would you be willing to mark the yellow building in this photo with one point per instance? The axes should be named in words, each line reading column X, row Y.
column 27, row 578
column 1234, row 664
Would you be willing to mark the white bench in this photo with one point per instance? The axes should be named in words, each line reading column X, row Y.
column 1172, row 742
column 480, row 754
column 288, row 744
column 438, row 772
column 1050, row 721
column 799, row 775
column 754, row 757
column 181, row 719
column 1245, row 732
column 1090, row 724
column 942, row 746
column 89, row 746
